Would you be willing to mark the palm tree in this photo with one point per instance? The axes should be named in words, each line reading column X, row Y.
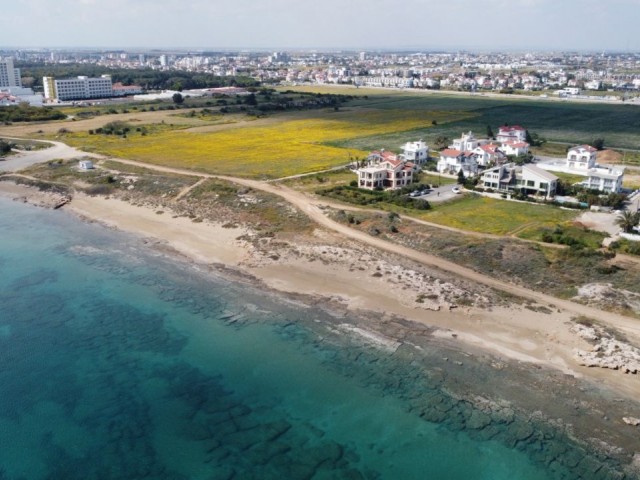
column 628, row 220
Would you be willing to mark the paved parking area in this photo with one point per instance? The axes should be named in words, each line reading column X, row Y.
column 440, row 194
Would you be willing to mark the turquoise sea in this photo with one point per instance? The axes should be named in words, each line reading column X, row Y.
column 117, row 362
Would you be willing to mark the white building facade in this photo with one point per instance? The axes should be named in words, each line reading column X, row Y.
column 606, row 180
column 581, row 157
column 416, row 152
column 80, row 88
column 527, row 178
column 9, row 76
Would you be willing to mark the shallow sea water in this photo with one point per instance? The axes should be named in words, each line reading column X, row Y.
column 117, row 362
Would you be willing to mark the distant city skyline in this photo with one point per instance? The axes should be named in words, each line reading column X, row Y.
column 510, row 25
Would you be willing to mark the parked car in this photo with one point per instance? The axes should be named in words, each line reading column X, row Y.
column 425, row 191
column 415, row 193
column 456, row 190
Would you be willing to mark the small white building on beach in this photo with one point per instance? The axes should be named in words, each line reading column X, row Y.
column 85, row 165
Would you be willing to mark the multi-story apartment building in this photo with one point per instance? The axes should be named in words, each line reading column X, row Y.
column 9, row 76
column 79, row 88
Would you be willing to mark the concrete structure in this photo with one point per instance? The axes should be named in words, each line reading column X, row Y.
column 9, row 76
column 607, row 180
column 581, row 157
column 415, row 152
column 85, row 165
column 80, row 88
column 528, row 179
column 453, row 161
column 18, row 95
column 120, row 90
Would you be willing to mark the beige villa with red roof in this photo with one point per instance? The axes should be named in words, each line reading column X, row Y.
column 384, row 170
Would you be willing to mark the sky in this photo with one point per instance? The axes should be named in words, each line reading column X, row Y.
column 520, row 25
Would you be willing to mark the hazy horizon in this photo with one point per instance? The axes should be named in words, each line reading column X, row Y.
column 428, row 25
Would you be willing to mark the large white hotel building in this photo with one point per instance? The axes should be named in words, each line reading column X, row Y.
column 79, row 88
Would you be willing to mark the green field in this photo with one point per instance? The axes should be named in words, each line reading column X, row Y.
column 569, row 122
column 500, row 217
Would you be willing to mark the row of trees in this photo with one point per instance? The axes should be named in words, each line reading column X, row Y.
column 147, row 78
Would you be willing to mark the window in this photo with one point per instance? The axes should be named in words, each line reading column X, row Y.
column 531, row 183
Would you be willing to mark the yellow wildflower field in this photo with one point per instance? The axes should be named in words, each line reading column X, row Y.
column 278, row 149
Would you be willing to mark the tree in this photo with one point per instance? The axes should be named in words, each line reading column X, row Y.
column 251, row 100
column 461, row 178
column 628, row 220
column 490, row 132
column 177, row 98
column 5, row 148
column 598, row 143
column 441, row 142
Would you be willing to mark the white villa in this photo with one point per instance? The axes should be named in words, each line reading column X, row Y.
column 416, row 152
column 453, row 161
column 489, row 154
column 385, row 170
column 511, row 133
column 528, row 179
column 467, row 142
column 581, row 157
column 607, row 180
column 514, row 147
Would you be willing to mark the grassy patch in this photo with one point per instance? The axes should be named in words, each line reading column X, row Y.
column 564, row 234
column 488, row 215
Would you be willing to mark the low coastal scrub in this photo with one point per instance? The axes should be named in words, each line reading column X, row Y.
column 359, row 196
column 556, row 271
column 569, row 234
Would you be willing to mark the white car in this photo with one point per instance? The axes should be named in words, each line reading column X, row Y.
column 456, row 190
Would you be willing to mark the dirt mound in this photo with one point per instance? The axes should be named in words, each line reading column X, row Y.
column 609, row 156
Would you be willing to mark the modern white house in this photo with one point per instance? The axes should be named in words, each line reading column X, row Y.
column 581, row 157
column 527, row 179
column 452, row 161
column 467, row 142
column 80, row 88
column 607, row 180
column 415, row 152
column 511, row 133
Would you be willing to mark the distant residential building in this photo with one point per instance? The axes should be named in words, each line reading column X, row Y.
column 452, row 161
column 581, row 157
column 416, row 152
column 607, row 180
column 511, row 133
column 80, row 88
column 528, row 179
column 384, row 170
column 9, row 76
column 120, row 90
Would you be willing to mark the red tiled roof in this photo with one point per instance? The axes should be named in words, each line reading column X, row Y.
column 450, row 152
column 511, row 128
